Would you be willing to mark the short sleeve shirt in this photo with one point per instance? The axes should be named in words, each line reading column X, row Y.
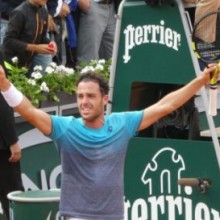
column 93, row 164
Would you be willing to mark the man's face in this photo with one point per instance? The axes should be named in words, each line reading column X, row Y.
column 90, row 101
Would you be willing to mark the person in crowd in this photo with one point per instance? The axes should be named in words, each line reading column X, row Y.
column 202, row 8
column 27, row 35
column 72, row 26
column 10, row 154
column 96, row 31
column 7, row 6
column 61, row 12
column 93, row 146
column 66, row 20
column 190, row 6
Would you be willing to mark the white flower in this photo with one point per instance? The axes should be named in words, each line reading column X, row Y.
column 32, row 82
column 87, row 69
column 53, row 65
column 44, row 87
column 38, row 68
column 49, row 70
column 102, row 61
column 37, row 86
column 60, row 69
column 36, row 75
column 69, row 71
column 99, row 67
column 14, row 60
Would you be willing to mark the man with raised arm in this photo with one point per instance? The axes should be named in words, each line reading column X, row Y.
column 93, row 147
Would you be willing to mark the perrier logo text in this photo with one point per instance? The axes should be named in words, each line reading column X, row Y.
column 150, row 34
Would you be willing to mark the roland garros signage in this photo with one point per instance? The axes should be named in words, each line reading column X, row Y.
column 150, row 34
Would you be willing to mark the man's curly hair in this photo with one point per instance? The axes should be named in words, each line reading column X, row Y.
column 95, row 77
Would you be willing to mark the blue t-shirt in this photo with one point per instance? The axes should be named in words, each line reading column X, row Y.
column 93, row 164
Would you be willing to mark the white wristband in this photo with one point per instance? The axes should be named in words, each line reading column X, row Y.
column 12, row 96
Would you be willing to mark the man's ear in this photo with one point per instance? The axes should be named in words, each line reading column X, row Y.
column 105, row 98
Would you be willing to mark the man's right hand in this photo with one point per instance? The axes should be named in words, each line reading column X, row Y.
column 15, row 153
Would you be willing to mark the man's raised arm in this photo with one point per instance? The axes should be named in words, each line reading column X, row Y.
column 23, row 106
column 175, row 99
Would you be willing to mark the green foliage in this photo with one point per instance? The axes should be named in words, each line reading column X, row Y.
column 47, row 84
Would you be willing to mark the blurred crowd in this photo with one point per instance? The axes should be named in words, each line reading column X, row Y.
column 63, row 31
column 66, row 31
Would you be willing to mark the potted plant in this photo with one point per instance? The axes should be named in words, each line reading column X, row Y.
column 54, row 80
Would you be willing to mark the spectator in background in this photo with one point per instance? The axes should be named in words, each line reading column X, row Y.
column 10, row 154
column 96, row 32
column 72, row 23
column 7, row 6
column 203, row 7
column 26, row 35
column 96, row 29
column 65, row 36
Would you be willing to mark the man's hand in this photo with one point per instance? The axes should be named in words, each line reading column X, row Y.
column 42, row 48
column 53, row 47
column 65, row 10
column 84, row 5
column 51, row 24
column 4, row 83
column 207, row 74
column 15, row 153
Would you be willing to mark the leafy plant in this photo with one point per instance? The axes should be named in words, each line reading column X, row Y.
column 47, row 84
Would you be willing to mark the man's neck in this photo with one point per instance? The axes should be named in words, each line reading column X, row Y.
column 96, row 124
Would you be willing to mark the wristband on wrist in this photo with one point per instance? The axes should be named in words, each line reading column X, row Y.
column 12, row 96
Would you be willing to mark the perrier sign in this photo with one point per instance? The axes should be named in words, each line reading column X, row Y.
column 150, row 34
column 152, row 56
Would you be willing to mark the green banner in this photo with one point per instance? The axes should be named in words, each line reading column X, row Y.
column 153, row 167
